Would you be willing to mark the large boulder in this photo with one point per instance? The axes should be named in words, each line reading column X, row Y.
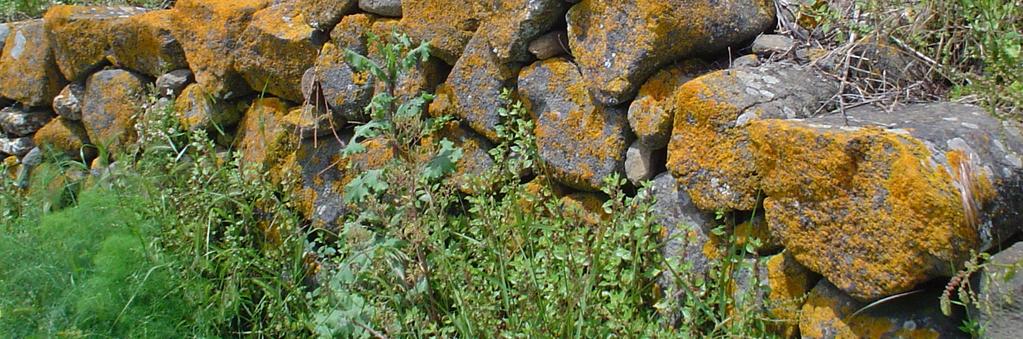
column 66, row 136
column 709, row 148
column 580, row 140
column 893, row 199
column 28, row 70
column 262, row 139
column 1000, row 294
column 275, row 50
column 345, row 90
column 82, row 35
column 209, row 34
column 146, row 43
column 197, row 109
column 473, row 89
column 514, row 24
column 110, row 103
column 652, row 113
column 829, row 313
column 324, row 14
column 618, row 44
column 447, row 24
column 18, row 122
column 319, row 192
column 16, row 146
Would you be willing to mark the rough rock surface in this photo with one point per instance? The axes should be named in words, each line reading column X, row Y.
column 768, row 44
column 652, row 113
column 262, row 139
column 345, row 91
column 1001, row 294
column 16, row 146
column 475, row 159
column 581, row 141
column 110, row 102
column 82, row 35
column 17, row 122
column 447, row 24
column 777, row 286
column 68, row 103
column 709, row 151
column 173, row 83
column 473, row 89
column 893, row 200
column 209, row 33
column 28, row 70
column 391, row 8
column 550, row 45
column 827, row 314
column 66, row 136
column 198, row 110
column 275, row 50
column 320, row 193
column 324, row 14
column 5, row 30
column 146, row 43
column 618, row 44
column 513, row 24
column 642, row 163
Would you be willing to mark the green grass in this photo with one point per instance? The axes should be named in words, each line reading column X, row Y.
column 15, row 10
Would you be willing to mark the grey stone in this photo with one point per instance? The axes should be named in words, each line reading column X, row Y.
column 320, row 175
column 5, row 30
column 641, row 163
column 473, row 89
column 198, row 110
column 390, row 8
column 550, row 45
column 581, row 141
column 16, row 146
column 652, row 113
column 324, row 14
column 515, row 23
column 18, row 122
column 748, row 60
column 345, row 91
column 172, row 83
column 828, row 313
column 28, row 71
column 68, row 103
column 1000, row 296
column 618, row 44
column 769, row 44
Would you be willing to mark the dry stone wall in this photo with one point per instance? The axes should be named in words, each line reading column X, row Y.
column 852, row 207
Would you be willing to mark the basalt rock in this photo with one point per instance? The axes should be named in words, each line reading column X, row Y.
column 776, row 286
column 1000, row 294
column 320, row 193
column 275, row 50
column 652, row 112
column 709, row 148
column 66, row 136
column 473, row 90
column 82, row 35
column 550, row 45
column 198, row 109
column 828, row 313
column 513, row 24
column 146, row 43
column 16, row 146
column 324, row 14
column 110, row 102
column 209, row 33
column 17, row 122
column 894, row 199
column 28, row 70
column 262, row 139
column 345, row 90
column 173, row 83
column 580, row 140
column 68, row 103
column 447, row 24
column 618, row 44
column 391, row 8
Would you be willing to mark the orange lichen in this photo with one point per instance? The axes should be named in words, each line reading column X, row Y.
column 65, row 136
column 826, row 316
column 82, row 35
column 143, row 43
column 587, row 208
column 446, row 24
column 652, row 113
column 868, row 209
column 261, row 138
column 788, row 284
column 113, row 98
column 28, row 71
column 276, row 49
column 208, row 31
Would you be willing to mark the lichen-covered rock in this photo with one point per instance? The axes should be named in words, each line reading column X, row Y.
column 262, row 140
column 28, row 71
column 587, row 208
column 345, row 91
column 197, row 109
column 209, row 34
column 17, row 122
column 581, row 141
column 549, row 45
column 473, row 89
column 709, row 151
column 68, row 103
column 652, row 113
column 777, row 286
column 769, row 44
column 1000, row 294
column 111, row 100
column 686, row 228
column 475, row 160
column 82, row 35
column 618, row 44
column 513, row 24
column 391, row 8
column 894, row 199
column 66, row 136
column 275, row 50
column 324, row 14
column 447, row 24
column 320, row 191
column 146, row 43
column 16, row 146
column 173, row 83
column 828, row 312
column 5, row 30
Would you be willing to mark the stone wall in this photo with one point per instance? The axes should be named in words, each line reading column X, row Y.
column 877, row 203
